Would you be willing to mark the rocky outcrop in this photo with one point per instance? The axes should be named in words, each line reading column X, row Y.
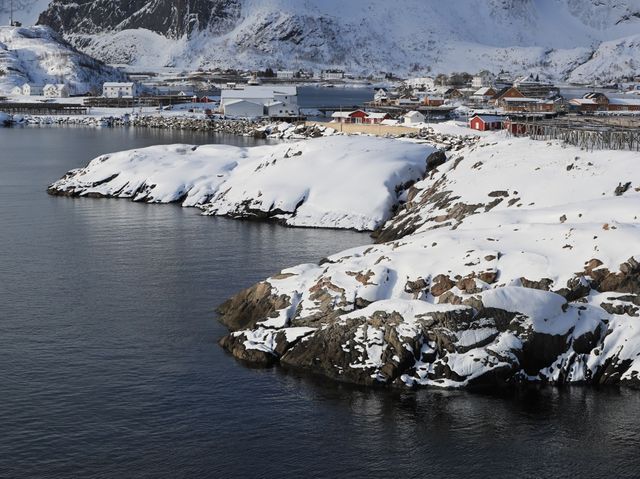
column 445, row 345
column 480, row 280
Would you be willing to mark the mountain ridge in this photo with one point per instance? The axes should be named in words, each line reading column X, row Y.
column 550, row 37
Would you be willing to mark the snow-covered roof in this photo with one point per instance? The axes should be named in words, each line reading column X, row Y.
column 412, row 114
column 259, row 92
column 377, row 115
column 583, row 101
column 522, row 100
column 625, row 101
column 235, row 102
column 347, row 114
column 490, row 118
column 119, row 84
column 483, row 91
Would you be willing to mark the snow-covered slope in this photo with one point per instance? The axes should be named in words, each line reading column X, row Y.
column 514, row 261
column 24, row 11
column 548, row 36
column 37, row 55
column 334, row 182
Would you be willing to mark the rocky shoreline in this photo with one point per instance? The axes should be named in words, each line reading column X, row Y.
column 259, row 129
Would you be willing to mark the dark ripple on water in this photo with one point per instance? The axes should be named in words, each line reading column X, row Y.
column 110, row 368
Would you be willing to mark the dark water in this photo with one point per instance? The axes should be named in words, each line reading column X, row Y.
column 109, row 366
column 317, row 96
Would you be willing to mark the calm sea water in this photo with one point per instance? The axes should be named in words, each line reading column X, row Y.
column 109, row 366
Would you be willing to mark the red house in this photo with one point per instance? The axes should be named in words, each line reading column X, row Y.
column 359, row 116
column 486, row 122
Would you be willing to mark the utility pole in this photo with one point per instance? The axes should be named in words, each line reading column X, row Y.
column 11, row 13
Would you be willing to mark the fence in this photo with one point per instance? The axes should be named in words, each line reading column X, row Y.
column 43, row 108
column 590, row 136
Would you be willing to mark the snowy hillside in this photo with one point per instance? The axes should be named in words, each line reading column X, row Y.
column 38, row 56
column 336, row 182
column 514, row 261
column 553, row 37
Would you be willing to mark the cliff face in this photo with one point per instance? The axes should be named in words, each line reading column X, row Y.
column 552, row 37
column 168, row 18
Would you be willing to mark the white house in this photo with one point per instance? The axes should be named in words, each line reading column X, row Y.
column 286, row 74
column 427, row 83
column 482, row 79
column 32, row 90
column 381, row 95
column 119, row 90
column 254, row 101
column 56, row 91
column 16, row 91
column 413, row 117
column 332, row 74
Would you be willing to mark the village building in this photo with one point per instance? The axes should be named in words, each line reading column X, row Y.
column 359, row 117
column 413, row 117
column 449, row 93
column 486, row 122
column 406, row 100
column 431, row 100
column 16, row 91
column 381, row 96
column 259, row 101
column 533, row 87
column 32, row 90
column 56, row 91
column 285, row 74
column 254, row 80
column 599, row 102
column 484, row 94
column 332, row 74
column 482, row 79
column 529, row 105
column 502, row 81
column 119, row 90
column 507, row 92
column 243, row 109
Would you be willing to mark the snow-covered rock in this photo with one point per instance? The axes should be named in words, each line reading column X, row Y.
column 516, row 260
column 550, row 37
column 38, row 55
column 335, row 182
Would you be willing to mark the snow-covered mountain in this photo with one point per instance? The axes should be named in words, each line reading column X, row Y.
column 553, row 37
column 548, row 36
column 38, row 55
